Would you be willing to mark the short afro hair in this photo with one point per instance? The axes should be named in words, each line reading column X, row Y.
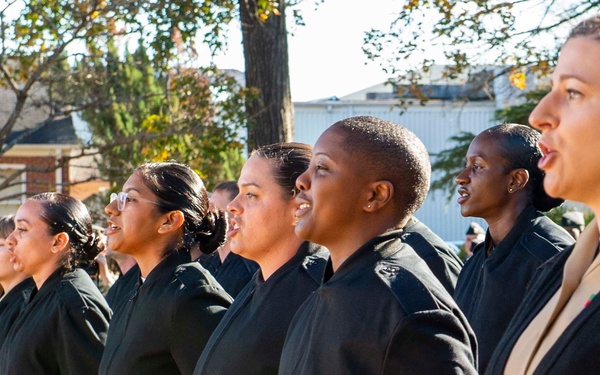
column 391, row 152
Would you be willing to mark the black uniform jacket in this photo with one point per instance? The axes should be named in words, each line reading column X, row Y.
column 233, row 274
column 490, row 289
column 250, row 337
column 122, row 290
column 164, row 326
column 577, row 351
column 381, row 312
column 12, row 303
column 62, row 329
column 442, row 261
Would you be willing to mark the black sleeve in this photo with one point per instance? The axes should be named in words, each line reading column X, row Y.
column 197, row 315
column 82, row 333
column 430, row 342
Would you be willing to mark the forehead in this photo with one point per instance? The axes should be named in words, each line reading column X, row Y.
column 29, row 211
column 136, row 182
column 331, row 143
column 579, row 59
column 257, row 171
column 485, row 146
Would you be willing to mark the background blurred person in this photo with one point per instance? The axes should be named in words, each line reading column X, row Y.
column 15, row 287
column 231, row 270
column 503, row 185
column 159, row 216
column 64, row 325
column 474, row 236
column 573, row 222
column 250, row 337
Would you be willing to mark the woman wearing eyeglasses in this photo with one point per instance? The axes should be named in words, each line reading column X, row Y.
column 161, row 214
column 63, row 326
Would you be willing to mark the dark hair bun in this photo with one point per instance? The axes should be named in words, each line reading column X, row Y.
column 215, row 232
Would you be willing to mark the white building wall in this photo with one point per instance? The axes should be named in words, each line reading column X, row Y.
column 433, row 124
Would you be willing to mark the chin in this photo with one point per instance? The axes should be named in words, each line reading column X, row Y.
column 464, row 211
column 553, row 188
column 302, row 232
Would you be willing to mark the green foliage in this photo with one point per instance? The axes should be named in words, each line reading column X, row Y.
column 519, row 114
column 155, row 104
column 556, row 213
column 190, row 115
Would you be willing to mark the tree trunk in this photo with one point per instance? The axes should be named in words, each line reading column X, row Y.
column 271, row 113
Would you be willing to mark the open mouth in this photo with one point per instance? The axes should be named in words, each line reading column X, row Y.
column 463, row 195
column 302, row 209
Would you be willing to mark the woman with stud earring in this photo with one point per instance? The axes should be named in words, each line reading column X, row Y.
column 502, row 184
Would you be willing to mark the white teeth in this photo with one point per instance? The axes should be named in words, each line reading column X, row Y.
column 304, row 205
column 235, row 226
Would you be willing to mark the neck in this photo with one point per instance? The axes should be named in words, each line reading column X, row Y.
column 278, row 256
column 147, row 262
column 354, row 237
column 40, row 277
column 500, row 225
column 125, row 264
column 7, row 285
column 224, row 251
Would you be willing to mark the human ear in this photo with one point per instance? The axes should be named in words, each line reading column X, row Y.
column 519, row 178
column 380, row 194
column 172, row 222
column 60, row 242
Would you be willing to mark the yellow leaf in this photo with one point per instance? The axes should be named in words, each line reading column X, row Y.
column 518, row 79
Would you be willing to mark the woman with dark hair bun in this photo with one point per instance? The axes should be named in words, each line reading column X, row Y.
column 250, row 337
column 503, row 185
column 161, row 216
column 63, row 327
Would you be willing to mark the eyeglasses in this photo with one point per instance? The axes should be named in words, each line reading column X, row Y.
column 122, row 198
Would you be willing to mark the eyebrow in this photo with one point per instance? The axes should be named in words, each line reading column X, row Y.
column 21, row 220
column 131, row 189
column 563, row 77
column 249, row 184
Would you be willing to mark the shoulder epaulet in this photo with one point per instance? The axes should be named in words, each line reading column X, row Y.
column 315, row 263
column 191, row 275
column 406, row 285
column 69, row 294
column 539, row 246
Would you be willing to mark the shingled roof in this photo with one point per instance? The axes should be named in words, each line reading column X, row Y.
column 58, row 132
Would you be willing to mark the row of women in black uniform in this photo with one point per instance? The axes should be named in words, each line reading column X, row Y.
column 340, row 288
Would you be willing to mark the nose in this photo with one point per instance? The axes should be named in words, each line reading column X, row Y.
column 11, row 240
column 462, row 178
column 543, row 117
column 303, row 181
column 234, row 207
column 111, row 208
